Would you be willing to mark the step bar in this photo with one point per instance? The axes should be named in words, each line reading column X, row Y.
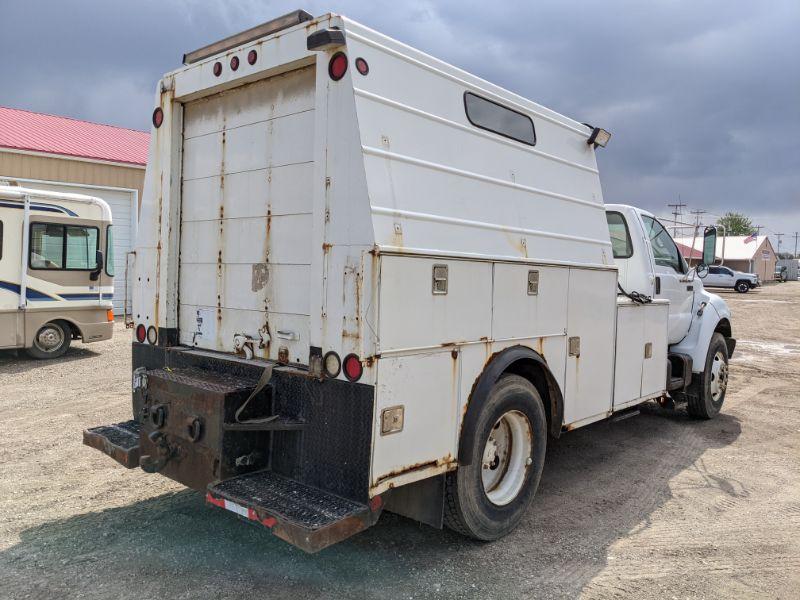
column 306, row 517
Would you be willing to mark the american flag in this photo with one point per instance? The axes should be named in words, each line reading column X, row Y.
column 750, row 238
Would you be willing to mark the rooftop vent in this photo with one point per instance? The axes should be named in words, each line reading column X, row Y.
column 288, row 20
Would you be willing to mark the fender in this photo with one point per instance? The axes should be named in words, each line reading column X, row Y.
column 709, row 320
column 520, row 360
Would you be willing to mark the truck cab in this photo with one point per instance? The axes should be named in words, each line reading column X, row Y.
column 651, row 265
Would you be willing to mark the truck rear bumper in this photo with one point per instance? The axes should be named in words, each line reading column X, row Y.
column 299, row 465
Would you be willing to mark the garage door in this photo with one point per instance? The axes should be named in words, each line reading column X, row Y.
column 121, row 203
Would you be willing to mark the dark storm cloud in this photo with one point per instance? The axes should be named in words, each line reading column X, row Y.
column 703, row 97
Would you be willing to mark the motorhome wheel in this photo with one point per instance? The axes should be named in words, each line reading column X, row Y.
column 51, row 341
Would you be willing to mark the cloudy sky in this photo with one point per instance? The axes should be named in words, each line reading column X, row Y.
column 702, row 96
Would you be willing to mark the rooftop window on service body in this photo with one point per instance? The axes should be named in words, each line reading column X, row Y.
column 498, row 119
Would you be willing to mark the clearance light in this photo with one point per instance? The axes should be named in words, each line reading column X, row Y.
column 353, row 369
column 109, row 315
column 252, row 57
column 152, row 335
column 332, row 364
column 234, row 63
column 217, row 69
column 141, row 334
column 158, row 117
column 600, row 137
column 362, row 66
column 338, row 66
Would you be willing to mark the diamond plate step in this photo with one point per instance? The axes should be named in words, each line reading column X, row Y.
column 302, row 515
column 120, row 441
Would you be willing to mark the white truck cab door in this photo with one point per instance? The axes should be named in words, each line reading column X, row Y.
column 670, row 270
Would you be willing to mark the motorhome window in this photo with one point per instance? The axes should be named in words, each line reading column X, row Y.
column 110, row 250
column 621, row 243
column 665, row 251
column 498, row 119
column 67, row 247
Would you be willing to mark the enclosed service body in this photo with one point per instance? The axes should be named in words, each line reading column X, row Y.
column 56, row 275
column 345, row 246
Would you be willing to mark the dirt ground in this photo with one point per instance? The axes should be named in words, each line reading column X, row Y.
column 652, row 506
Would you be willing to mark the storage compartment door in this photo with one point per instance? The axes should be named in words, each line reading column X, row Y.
column 591, row 316
column 245, row 251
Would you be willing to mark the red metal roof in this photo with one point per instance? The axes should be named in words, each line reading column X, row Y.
column 688, row 252
column 37, row 132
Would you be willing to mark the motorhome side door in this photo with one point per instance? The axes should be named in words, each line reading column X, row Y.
column 670, row 270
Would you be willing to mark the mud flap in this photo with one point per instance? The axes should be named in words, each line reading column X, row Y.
column 119, row 441
column 302, row 515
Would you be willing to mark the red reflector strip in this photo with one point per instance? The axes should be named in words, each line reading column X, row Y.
column 215, row 501
column 240, row 510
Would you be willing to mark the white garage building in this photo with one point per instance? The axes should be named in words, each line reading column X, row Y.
column 59, row 153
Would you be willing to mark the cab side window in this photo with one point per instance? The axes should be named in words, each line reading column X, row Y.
column 620, row 236
column 665, row 251
column 714, row 270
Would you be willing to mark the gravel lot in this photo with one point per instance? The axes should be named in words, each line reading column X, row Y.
column 652, row 506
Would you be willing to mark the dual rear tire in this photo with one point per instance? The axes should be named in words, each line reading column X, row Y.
column 487, row 498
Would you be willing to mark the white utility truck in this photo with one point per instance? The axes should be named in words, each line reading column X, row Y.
column 56, row 270
column 368, row 280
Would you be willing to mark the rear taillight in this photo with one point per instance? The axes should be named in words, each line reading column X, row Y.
column 353, row 369
column 141, row 334
column 158, row 117
column 338, row 66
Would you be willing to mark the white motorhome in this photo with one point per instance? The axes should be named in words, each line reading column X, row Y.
column 366, row 279
column 56, row 270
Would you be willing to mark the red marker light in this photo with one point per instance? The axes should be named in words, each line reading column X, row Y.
column 158, row 117
column 217, row 69
column 338, row 66
column 252, row 57
column 362, row 66
column 234, row 63
column 353, row 369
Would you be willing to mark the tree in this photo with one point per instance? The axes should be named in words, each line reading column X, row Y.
column 736, row 224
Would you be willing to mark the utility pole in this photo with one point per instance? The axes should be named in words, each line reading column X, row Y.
column 796, row 234
column 779, row 236
column 677, row 210
column 697, row 214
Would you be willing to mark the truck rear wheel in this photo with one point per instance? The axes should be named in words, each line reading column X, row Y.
column 707, row 391
column 742, row 286
column 486, row 499
column 51, row 341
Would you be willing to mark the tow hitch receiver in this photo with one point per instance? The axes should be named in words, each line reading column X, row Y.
column 119, row 441
column 302, row 515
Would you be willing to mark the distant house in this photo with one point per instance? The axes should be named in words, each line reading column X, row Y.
column 68, row 155
column 756, row 256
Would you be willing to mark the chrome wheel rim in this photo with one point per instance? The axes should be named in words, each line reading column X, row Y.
column 49, row 338
column 506, row 457
column 719, row 376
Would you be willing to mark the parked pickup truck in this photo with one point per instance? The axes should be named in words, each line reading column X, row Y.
column 367, row 280
column 781, row 273
column 725, row 277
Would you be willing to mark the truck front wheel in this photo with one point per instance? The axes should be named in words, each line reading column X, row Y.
column 707, row 391
column 486, row 499
column 742, row 287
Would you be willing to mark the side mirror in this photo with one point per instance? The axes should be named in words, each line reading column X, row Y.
column 98, row 257
column 709, row 251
